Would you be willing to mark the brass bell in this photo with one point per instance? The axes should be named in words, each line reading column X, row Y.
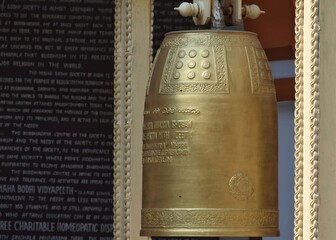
column 210, row 138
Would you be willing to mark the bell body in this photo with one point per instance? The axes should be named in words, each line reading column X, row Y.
column 210, row 138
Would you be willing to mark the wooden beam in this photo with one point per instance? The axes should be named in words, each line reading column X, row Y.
column 280, row 53
column 285, row 89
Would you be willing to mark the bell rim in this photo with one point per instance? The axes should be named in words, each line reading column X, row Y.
column 210, row 232
column 210, row 31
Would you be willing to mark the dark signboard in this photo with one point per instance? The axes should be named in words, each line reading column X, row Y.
column 56, row 119
column 166, row 19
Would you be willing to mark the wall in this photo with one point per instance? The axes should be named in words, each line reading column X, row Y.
column 327, row 150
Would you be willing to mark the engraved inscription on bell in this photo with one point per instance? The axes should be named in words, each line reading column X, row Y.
column 167, row 140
